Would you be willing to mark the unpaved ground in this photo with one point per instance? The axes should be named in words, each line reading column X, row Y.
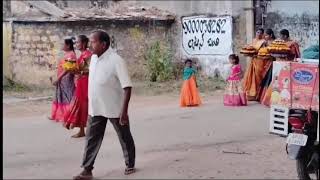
column 171, row 142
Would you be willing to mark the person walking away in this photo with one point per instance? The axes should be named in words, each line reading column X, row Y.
column 265, row 91
column 64, row 84
column 109, row 96
column 234, row 94
column 254, row 73
column 77, row 113
column 189, row 92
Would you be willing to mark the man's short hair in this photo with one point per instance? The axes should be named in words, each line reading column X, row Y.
column 103, row 36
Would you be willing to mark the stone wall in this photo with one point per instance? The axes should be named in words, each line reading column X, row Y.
column 6, row 35
column 301, row 18
column 36, row 47
column 295, row 7
column 6, row 9
column 303, row 28
column 210, row 64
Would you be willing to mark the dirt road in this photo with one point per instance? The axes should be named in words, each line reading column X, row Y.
column 171, row 142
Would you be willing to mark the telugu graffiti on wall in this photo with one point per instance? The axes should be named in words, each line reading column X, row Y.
column 207, row 35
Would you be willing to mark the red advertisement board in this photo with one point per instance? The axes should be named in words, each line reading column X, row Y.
column 304, row 86
column 295, row 85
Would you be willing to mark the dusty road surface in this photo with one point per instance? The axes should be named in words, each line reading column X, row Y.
column 171, row 142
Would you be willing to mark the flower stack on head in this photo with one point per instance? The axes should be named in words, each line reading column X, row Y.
column 278, row 48
column 264, row 53
column 248, row 51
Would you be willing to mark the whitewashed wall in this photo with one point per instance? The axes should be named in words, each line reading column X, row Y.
column 213, row 60
column 208, row 39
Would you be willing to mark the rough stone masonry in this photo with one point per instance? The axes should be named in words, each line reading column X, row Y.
column 37, row 47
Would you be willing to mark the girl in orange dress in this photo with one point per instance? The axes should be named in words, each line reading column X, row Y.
column 189, row 91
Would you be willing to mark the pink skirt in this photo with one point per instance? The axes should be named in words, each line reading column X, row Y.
column 234, row 94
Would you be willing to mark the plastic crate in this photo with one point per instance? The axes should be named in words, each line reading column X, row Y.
column 279, row 120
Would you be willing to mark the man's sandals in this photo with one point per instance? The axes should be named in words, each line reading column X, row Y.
column 82, row 176
column 128, row 170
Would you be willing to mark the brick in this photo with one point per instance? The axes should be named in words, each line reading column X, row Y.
column 39, row 52
column 54, row 38
column 32, row 52
column 21, row 38
column 35, row 38
column 27, row 38
column 44, row 38
column 17, row 46
column 41, row 46
column 26, row 45
column 24, row 52
column 48, row 46
column 39, row 31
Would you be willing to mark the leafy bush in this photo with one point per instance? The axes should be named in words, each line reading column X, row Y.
column 15, row 86
column 159, row 64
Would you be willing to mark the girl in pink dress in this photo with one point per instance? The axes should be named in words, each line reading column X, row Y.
column 234, row 94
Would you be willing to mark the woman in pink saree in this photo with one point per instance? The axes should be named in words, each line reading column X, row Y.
column 64, row 85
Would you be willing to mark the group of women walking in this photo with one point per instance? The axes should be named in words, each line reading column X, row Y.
column 258, row 77
column 70, row 103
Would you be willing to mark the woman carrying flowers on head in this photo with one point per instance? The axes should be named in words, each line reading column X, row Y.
column 265, row 87
column 254, row 73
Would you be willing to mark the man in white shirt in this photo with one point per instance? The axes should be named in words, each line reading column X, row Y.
column 109, row 96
